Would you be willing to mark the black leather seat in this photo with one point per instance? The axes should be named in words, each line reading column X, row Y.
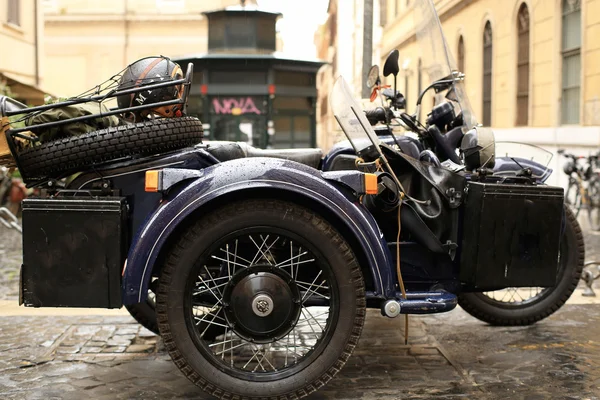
column 225, row 151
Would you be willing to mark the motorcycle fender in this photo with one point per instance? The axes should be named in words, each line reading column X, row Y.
column 272, row 176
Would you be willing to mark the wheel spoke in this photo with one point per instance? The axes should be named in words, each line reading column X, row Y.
column 232, row 262
column 292, row 258
column 226, row 328
column 260, row 250
column 298, row 263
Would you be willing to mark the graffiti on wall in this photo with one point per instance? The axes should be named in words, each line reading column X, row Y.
column 235, row 106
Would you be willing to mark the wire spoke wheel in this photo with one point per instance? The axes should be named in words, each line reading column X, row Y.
column 260, row 299
column 515, row 296
column 265, row 297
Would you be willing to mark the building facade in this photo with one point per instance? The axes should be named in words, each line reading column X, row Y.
column 245, row 90
column 88, row 41
column 532, row 66
column 350, row 42
column 21, row 33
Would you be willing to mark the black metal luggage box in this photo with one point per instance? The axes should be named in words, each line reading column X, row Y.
column 73, row 252
column 511, row 235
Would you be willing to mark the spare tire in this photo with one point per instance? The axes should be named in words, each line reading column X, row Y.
column 75, row 153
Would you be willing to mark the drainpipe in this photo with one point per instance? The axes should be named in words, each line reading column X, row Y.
column 367, row 46
column 126, row 25
column 36, row 44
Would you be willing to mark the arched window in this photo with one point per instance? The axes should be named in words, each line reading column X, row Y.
column 461, row 54
column 523, row 66
column 571, row 65
column 487, row 74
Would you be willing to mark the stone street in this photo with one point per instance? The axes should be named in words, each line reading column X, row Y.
column 103, row 354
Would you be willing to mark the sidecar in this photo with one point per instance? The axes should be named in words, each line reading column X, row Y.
column 257, row 266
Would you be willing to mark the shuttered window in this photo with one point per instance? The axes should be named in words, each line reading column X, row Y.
column 523, row 66
column 487, row 74
column 571, row 65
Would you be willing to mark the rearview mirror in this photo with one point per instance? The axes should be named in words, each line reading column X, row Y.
column 373, row 77
column 391, row 66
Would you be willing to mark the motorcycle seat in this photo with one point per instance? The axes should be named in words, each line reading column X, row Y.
column 226, row 151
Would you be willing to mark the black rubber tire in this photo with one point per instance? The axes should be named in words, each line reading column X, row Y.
column 483, row 309
column 198, row 238
column 145, row 315
column 77, row 152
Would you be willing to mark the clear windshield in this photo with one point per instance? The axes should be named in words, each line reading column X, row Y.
column 521, row 153
column 436, row 57
column 351, row 117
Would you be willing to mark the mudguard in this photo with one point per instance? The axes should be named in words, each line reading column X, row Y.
column 256, row 174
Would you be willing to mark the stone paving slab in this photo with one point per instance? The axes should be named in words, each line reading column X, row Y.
column 450, row 356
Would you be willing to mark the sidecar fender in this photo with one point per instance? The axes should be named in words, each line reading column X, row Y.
column 275, row 178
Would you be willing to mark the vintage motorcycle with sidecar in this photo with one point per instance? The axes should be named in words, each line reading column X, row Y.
column 257, row 266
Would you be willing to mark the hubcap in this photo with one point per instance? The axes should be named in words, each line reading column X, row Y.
column 262, row 303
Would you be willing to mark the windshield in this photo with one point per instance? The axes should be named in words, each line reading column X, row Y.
column 436, row 57
column 351, row 117
column 523, row 154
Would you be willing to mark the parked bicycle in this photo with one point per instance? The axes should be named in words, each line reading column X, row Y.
column 583, row 190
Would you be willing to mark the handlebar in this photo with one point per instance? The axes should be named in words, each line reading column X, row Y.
column 378, row 114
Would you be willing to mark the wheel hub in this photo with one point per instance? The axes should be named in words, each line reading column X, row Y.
column 262, row 303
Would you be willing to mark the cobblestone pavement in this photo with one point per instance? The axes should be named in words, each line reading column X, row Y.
column 450, row 356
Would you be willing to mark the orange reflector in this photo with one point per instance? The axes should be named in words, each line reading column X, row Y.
column 152, row 181
column 371, row 184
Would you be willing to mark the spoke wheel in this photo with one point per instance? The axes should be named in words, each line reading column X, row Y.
column 279, row 289
column 524, row 306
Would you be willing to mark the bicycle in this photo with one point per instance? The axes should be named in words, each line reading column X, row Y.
column 583, row 190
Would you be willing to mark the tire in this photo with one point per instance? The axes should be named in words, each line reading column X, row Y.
column 77, row 152
column 216, row 232
column 145, row 314
column 572, row 255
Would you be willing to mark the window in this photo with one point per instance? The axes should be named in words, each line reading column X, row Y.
column 523, row 66
column 461, row 54
column 571, row 61
column 14, row 12
column 396, row 8
column 383, row 12
column 487, row 74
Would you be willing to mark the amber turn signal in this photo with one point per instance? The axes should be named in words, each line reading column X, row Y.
column 371, row 184
column 152, row 181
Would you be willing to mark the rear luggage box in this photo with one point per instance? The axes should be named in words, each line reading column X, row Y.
column 511, row 235
column 73, row 252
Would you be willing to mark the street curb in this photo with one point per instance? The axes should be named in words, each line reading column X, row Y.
column 12, row 309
